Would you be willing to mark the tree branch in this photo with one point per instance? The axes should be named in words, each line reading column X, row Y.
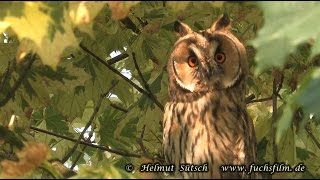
column 274, row 120
column 130, row 25
column 140, row 141
column 18, row 82
column 96, row 109
column 250, row 98
column 104, row 148
column 145, row 84
column 260, row 100
column 113, row 69
column 81, row 152
column 118, row 58
column 115, row 106
column 116, row 71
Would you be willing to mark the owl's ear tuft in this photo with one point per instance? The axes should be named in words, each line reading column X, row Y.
column 222, row 23
column 181, row 29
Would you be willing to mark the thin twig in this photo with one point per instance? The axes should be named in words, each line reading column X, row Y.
column 280, row 83
column 159, row 140
column 117, row 72
column 96, row 109
column 250, row 98
column 113, row 69
column 145, row 153
column 280, row 86
column 145, row 83
column 81, row 152
column 310, row 133
column 18, row 82
column 115, row 106
column 104, row 148
column 260, row 100
column 140, row 141
column 274, row 120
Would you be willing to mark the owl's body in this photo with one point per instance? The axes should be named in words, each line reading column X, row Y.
column 205, row 120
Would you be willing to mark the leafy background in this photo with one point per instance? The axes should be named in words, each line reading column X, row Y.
column 83, row 84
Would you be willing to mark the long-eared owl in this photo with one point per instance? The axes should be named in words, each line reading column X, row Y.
column 206, row 124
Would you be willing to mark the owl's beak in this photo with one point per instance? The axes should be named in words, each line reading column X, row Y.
column 208, row 72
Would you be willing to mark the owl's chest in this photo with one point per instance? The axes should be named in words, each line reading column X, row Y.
column 202, row 132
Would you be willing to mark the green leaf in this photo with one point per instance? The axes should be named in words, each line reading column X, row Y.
column 308, row 94
column 278, row 38
column 108, row 123
column 55, row 122
column 10, row 137
column 7, row 50
column 285, row 121
column 302, row 154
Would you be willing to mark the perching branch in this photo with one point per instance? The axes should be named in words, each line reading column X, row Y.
column 18, row 82
column 145, row 84
column 117, row 72
column 96, row 109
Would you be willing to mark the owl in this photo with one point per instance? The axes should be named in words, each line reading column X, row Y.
column 206, row 125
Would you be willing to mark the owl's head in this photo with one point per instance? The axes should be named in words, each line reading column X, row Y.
column 207, row 60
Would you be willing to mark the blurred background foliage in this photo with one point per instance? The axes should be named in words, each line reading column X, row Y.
column 83, row 84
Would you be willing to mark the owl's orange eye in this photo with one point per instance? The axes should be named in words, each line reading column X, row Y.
column 192, row 61
column 219, row 58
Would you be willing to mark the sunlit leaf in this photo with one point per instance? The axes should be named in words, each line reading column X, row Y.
column 278, row 38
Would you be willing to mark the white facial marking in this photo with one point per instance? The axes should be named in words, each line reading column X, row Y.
column 231, row 83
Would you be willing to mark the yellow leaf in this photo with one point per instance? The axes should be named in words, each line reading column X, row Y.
column 82, row 14
column 3, row 26
column 50, row 51
column 32, row 25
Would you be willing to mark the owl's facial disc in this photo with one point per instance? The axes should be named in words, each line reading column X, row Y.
column 189, row 63
column 227, row 59
column 207, row 60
